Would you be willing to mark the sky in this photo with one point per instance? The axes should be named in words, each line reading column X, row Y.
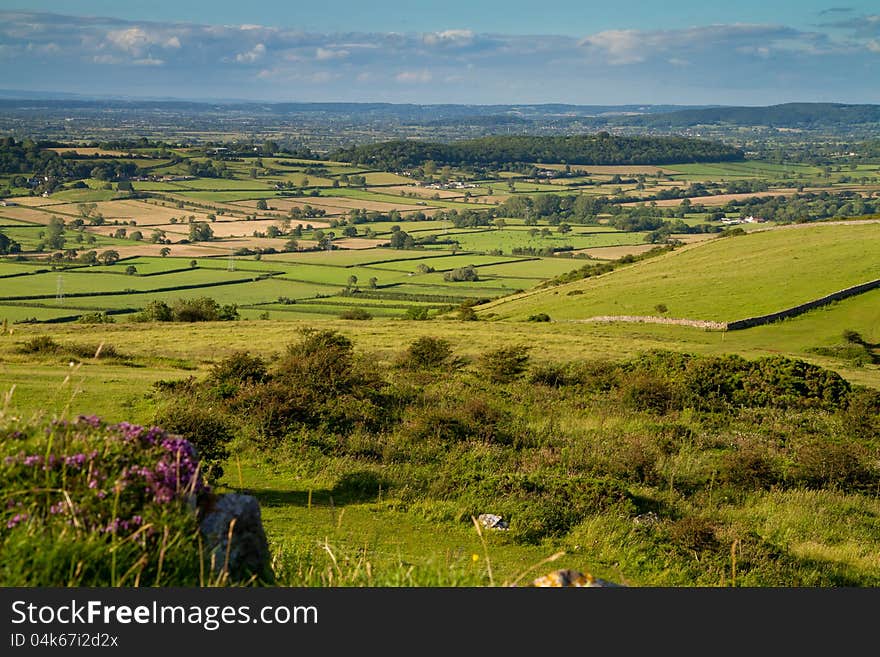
column 689, row 52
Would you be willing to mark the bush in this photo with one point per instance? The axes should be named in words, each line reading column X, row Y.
column 96, row 318
column 201, row 309
column 416, row 313
column 40, row 344
column 461, row 274
column 238, row 368
column 204, row 428
column 540, row 317
column 355, row 313
column 505, row 364
column 428, row 353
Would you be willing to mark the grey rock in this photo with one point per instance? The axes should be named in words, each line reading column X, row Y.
column 492, row 521
column 243, row 552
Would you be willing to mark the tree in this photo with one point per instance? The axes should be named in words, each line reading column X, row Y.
column 200, row 231
column 54, row 238
column 109, row 257
column 500, row 223
column 262, row 205
column 131, row 270
column 193, row 264
column 352, row 281
column 164, row 252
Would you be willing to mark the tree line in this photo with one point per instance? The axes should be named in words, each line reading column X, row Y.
column 598, row 149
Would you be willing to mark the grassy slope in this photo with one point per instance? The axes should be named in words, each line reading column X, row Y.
column 720, row 280
column 392, row 539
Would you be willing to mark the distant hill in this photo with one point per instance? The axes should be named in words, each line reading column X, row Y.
column 788, row 115
column 601, row 148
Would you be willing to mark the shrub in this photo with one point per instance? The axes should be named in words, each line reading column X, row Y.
column 461, row 274
column 238, row 368
column 505, row 364
column 204, row 428
column 40, row 344
column 428, row 353
column 416, row 313
column 96, row 318
column 540, row 317
column 355, row 313
column 644, row 391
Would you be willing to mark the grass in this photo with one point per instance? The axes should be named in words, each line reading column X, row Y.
column 508, row 239
column 723, row 279
column 821, row 536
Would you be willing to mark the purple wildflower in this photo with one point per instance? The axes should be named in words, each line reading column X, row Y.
column 16, row 519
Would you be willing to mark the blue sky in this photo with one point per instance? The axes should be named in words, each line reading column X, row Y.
column 748, row 52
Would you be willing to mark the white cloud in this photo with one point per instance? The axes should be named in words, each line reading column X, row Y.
column 149, row 61
column 449, row 37
column 252, row 55
column 413, row 77
column 107, row 59
column 132, row 40
column 323, row 54
column 621, row 46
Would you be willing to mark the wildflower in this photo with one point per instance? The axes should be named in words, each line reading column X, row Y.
column 16, row 519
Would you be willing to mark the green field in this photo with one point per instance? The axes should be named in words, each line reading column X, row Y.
column 508, row 239
column 721, row 280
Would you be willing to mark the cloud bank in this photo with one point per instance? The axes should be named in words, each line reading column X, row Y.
column 724, row 64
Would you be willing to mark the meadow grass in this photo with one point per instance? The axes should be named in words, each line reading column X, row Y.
column 723, row 279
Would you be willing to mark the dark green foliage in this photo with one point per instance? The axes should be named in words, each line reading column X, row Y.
column 429, row 353
column 8, row 245
column 416, row 313
column 355, row 313
column 544, row 504
column 504, row 364
column 600, row 148
column 236, row 370
column 461, row 274
column 540, row 317
column 96, row 318
column 201, row 309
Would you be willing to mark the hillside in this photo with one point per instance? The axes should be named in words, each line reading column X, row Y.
column 787, row 115
column 720, row 280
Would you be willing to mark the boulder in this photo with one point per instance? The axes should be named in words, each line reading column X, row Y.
column 570, row 578
column 243, row 552
column 492, row 521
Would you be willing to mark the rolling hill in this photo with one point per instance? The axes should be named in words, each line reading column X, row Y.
column 721, row 280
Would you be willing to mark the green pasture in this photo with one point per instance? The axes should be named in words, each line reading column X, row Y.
column 509, row 239
column 446, row 263
column 725, row 279
column 346, row 258
column 540, row 268
column 86, row 282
